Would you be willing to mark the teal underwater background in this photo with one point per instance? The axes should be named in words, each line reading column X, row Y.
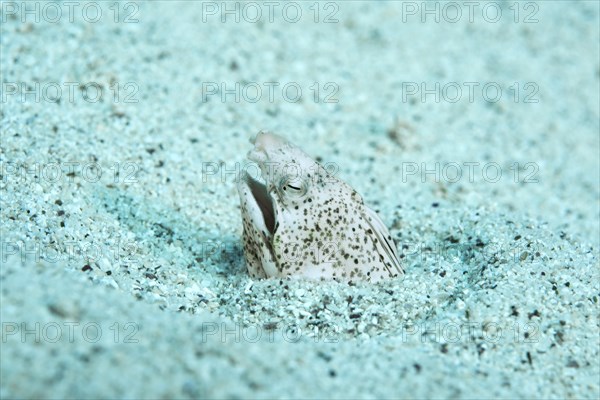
column 471, row 127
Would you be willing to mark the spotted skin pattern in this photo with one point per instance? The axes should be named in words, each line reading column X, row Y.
column 303, row 222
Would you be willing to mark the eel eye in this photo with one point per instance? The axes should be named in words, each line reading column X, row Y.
column 293, row 187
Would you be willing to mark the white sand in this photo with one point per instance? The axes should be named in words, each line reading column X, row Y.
column 500, row 297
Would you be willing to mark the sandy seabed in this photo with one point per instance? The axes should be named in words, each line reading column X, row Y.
column 476, row 138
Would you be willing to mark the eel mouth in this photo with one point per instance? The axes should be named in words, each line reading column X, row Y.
column 259, row 199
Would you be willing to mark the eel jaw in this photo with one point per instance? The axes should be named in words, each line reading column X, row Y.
column 259, row 221
column 259, row 205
